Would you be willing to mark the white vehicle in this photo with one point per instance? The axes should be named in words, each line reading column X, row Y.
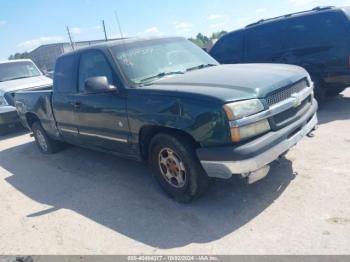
column 17, row 75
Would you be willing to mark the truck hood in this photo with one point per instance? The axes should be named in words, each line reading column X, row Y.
column 20, row 84
column 233, row 82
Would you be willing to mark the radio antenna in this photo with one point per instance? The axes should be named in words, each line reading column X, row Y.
column 70, row 38
column 118, row 22
column 104, row 29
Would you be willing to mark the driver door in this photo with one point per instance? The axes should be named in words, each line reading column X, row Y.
column 101, row 117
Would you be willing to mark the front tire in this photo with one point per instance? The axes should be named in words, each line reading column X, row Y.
column 45, row 144
column 176, row 167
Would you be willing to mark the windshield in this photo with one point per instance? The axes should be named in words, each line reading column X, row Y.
column 146, row 61
column 17, row 70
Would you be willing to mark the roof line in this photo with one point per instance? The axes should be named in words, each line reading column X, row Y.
column 319, row 8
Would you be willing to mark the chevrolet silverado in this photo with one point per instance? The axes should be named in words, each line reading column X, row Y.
column 167, row 102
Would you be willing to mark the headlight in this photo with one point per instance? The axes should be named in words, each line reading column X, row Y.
column 241, row 133
column 3, row 101
column 242, row 109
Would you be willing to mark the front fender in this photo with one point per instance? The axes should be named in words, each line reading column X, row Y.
column 204, row 120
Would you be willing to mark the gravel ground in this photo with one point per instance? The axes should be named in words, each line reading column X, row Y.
column 84, row 202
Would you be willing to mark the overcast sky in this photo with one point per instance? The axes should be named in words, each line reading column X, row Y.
column 25, row 25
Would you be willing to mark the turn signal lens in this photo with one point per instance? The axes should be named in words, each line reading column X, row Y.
column 235, row 134
column 229, row 113
column 242, row 133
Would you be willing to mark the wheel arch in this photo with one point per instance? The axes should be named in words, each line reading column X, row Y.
column 147, row 133
column 31, row 118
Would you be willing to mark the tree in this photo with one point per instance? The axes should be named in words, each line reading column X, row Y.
column 205, row 42
column 200, row 40
column 24, row 55
column 217, row 35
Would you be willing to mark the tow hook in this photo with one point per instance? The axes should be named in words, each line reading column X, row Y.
column 311, row 134
column 257, row 175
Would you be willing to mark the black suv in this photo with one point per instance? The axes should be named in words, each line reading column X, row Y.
column 318, row 40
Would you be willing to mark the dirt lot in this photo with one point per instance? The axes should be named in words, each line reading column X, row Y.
column 84, row 202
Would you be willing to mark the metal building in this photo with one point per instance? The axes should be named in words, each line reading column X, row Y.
column 45, row 55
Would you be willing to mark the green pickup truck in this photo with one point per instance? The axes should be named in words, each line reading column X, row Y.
column 167, row 102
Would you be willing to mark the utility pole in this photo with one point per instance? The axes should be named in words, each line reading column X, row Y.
column 104, row 29
column 70, row 38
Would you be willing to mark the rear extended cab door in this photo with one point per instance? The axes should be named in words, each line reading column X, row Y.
column 63, row 98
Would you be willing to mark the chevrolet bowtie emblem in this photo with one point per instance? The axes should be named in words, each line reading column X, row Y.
column 297, row 99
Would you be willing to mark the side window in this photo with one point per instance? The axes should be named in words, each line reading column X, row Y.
column 65, row 74
column 229, row 49
column 93, row 63
column 263, row 41
column 311, row 30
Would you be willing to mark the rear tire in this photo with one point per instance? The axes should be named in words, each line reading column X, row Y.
column 331, row 92
column 176, row 167
column 45, row 144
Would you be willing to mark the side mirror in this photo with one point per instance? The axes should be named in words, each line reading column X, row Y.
column 98, row 84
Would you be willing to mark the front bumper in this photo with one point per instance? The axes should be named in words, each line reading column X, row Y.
column 223, row 162
column 8, row 116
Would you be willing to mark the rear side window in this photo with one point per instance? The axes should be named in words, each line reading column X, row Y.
column 92, row 64
column 65, row 74
column 263, row 41
column 311, row 30
column 229, row 49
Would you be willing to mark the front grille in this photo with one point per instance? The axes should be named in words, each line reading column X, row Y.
column 289, row 115
column 10, row 98
column 285, row 93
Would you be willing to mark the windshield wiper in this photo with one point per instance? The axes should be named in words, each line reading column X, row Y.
column 160, row 75
column 200, row 67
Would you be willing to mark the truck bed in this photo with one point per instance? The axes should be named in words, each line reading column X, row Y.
column 36, row 102
column 34, row 99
